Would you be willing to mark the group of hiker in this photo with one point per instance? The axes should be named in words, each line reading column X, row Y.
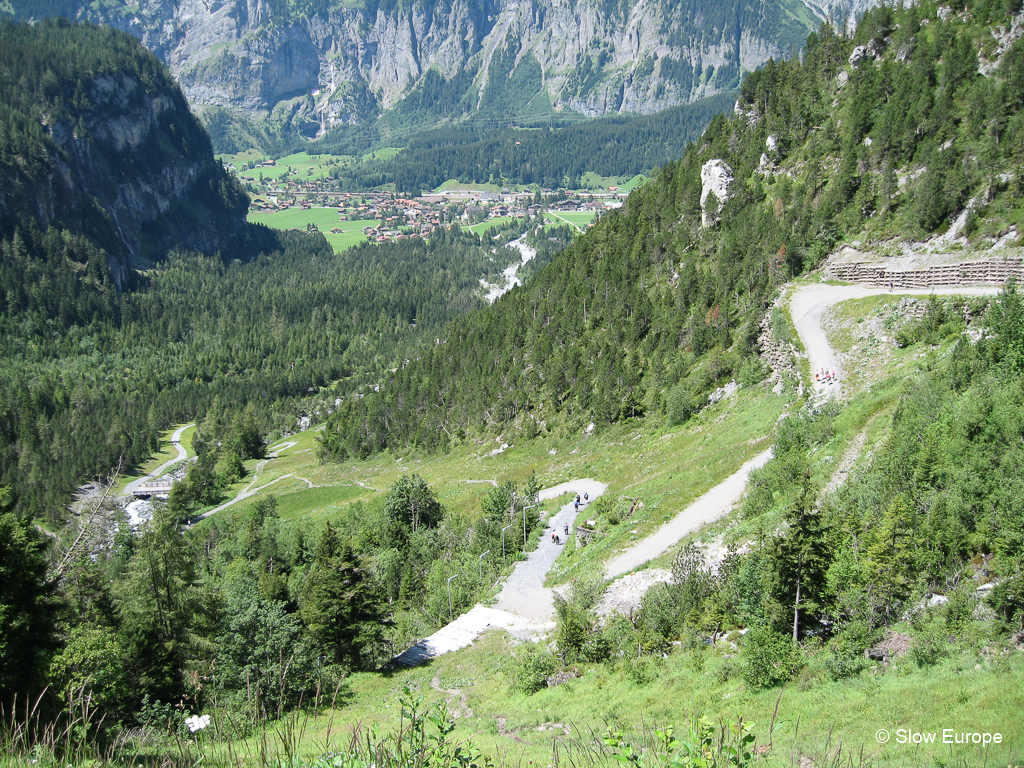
column 555, row 538
column 826, row 376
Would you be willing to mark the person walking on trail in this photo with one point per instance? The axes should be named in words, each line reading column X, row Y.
column 577, row 505
column 567, row 529
column 586, row 497
column 557, row 540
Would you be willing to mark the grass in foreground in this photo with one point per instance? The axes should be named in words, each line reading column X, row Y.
column 829, row 723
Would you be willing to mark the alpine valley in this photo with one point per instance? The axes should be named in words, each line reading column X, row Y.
column 731, row 478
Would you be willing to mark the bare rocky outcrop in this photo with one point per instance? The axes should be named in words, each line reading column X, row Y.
column 776, row 353
column 715, row 178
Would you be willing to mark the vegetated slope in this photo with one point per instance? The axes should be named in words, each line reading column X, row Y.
column 314, row 66
column 98, row 141
column 660, row 301
column 548, row 157
column 95, row 381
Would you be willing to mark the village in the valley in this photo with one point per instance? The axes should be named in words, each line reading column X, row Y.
column 386, row 216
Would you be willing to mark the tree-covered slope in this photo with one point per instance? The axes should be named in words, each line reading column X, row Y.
column 886, row 132
column 548, row 157
column 98, row 140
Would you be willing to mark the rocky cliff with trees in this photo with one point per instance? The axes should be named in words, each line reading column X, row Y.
column 99, row 142
column 317, row 65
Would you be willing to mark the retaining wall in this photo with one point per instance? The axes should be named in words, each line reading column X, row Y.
column 988, row 272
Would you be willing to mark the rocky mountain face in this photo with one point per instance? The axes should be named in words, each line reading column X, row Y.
column 320, row 64
column 113, row 152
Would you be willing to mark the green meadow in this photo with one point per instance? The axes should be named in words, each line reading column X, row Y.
column 325, row 220
column 579, row 219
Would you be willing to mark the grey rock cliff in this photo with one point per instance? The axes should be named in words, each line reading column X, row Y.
column 346, row 64
column 132, row 169
column 716, row 177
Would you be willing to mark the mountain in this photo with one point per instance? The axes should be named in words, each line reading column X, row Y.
column 99, row 141
column 892, row 133
column 316, row 64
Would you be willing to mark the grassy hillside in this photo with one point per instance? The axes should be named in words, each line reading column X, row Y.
column 830, row 717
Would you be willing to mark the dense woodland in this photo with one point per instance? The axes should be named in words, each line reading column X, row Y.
column 90, row 376
column 548, row 157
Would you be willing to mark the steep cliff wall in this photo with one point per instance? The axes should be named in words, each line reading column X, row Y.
column 331, row 63
column 107, row 147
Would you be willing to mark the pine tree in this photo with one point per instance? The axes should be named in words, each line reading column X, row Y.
column 340, row 606
column 27, row 607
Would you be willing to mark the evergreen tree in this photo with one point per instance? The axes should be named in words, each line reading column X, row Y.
column 340, row 607
column 27, row 607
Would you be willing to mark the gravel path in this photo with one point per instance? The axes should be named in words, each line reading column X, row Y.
column 712, row 505
column 524, row 592
column 807, row 306
column 129, row 489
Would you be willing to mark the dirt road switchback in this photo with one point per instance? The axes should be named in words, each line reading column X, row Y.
column 808, row 304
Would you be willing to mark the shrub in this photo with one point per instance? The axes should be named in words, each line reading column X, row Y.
column 931, row 645
column 770, row 658
column 840, row 666
column 531, row 667
column 640, row 671
column 681, row 404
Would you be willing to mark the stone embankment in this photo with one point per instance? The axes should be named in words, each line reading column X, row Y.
column 984, row 272
column 780, row 355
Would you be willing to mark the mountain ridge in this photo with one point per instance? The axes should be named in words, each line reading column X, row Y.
column 322, row 66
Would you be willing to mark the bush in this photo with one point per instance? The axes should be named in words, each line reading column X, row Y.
column 770, row 658
column 729, row 670
column 531, row 667
column 752, row 371
column 931, row 645
column 640, row 671
column 661, row 611
column 680, row 405
column 841, row 666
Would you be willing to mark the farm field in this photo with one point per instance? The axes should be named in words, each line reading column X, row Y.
column 452, row 185
column 325, row 220
column 486, row 226
column 302, row 164
column 579, row 219
column 594, row 182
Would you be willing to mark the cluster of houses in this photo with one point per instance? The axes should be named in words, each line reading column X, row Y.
column 398, row 218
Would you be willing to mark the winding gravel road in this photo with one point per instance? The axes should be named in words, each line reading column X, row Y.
column 807, row 307
column 708, row 508
column 129, row 489
column 524, row 597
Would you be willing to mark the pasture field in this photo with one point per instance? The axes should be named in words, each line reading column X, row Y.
column 325, row 219
column 594, row 182
column 453, row 185
column 486, row 226
column 303, row 165
column 579, row 219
